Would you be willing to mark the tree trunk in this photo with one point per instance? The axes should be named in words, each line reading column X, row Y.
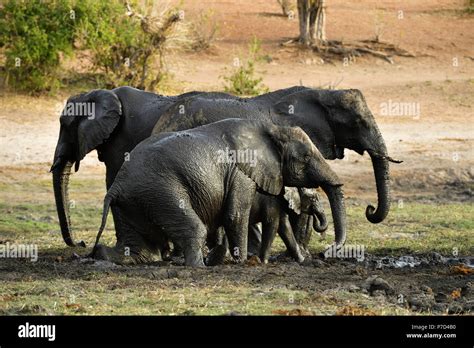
column 318, row 34
column 303, row 15
column 312, row 20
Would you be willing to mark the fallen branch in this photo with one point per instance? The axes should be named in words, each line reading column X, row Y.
column 374, row 47
column 376, row 54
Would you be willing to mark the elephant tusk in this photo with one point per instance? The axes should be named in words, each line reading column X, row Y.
column 388, row 158
column 393, row 160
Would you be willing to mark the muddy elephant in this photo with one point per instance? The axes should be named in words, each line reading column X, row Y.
column 335, row 120
column 292, row 215
column 306, row 213
column 289, row 215
column 112, row 122
column 183, row 186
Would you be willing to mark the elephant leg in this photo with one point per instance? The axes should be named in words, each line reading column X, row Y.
column 119, row 228
column 131, row 246
column 269, row 230
column 285, row 232
column 236, row 218
column 218, row 247
column 255, row 239
column 193, row 253
column 189, row 234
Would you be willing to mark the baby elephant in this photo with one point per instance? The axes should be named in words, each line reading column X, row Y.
column 306, row 214
column 287, row 214
column 274, row 213
column 184, row 185
column 298, row 210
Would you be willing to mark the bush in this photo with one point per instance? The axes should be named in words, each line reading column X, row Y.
column 122, row 43
column 34, row 33
column 470, row 6
column 203, row 31
column 243, row 80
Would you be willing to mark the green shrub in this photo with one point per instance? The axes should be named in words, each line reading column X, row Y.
column 470, row 6
column 203, row 31
column 122, row 44
column 34, row 33
column 243, row 80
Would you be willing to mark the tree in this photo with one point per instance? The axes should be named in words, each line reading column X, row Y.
column 312, row 20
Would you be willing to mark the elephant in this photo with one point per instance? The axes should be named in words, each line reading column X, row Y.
column 183, row 186
column 120, row 119
column 293, row 211
column 335, row 120
column 286, row 214
column 306, row 211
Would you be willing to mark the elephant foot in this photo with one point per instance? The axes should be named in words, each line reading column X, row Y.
column 123, row 256
column 195, row 263
column 254, row 241
column 102, row 252
column 286, row 255
column 301, row 254
column 299, row 258
column 298, row 255
column 217, row 255
column 193, row 257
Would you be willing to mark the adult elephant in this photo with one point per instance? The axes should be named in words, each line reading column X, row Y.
column 184, row 185
column 112, row 122
column 335, row 120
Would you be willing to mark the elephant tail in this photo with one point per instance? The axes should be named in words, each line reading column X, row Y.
column 107, row 202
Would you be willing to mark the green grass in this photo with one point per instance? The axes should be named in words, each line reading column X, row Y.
column 59, row 284
column 417, row 228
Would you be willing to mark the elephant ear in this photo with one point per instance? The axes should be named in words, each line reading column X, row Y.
column 259, row 155
column 98, row 113
column 303, row 108
column 292, row 196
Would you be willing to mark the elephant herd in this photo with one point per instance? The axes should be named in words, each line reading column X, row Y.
column 203, row 170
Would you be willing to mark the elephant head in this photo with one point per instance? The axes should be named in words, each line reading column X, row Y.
column 339, row 119
column 286, row 156
column 308, row 213
column 86, row 122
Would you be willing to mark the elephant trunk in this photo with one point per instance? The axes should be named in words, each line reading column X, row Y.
column 301, row 225
column 380, row 163
column 61, row 171
column 338, row 210
column 320, row 223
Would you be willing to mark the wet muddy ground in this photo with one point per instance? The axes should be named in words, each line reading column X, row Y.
column 408, row 284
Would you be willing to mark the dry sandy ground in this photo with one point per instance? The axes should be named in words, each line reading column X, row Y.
column 436, row 146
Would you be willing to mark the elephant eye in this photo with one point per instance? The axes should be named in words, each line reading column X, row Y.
column 307, row 158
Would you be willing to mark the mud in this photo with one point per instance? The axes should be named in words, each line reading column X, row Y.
column 430, row 284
